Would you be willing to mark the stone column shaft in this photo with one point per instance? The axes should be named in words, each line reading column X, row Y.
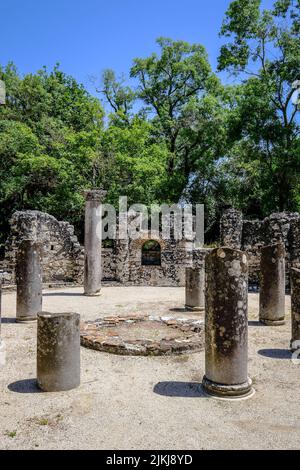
column 272, row 285
column 93, row 242
column 1, row 282
column 2, row 345
column 58, row 351
column 29, row 280
column 195, row 289
column 295, row 285
column 231, row 228
column 226, row 324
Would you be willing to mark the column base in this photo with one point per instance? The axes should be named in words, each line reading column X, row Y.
column 194, row 309
column 297, row 348
column 95, row 294
column 217, row 390
column 272, row 322
column 26, row 319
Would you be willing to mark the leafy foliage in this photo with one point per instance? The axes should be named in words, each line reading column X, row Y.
column 265, row 46
column 49, row 137
column 178, row 135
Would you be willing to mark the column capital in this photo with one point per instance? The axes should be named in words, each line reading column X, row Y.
column 95, row 194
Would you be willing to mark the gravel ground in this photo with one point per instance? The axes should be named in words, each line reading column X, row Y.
column 145, row 402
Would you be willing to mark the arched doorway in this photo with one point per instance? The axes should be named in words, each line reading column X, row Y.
column 151, row 253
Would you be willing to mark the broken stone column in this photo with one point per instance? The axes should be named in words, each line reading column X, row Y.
column 1, row 282
column 195, row 289
column 226, row 324
column 58, row 351
column 28, row 280
column 2, row 345
column 272, row 285
column 231, row 228
column 295, row 285
column 93, row 242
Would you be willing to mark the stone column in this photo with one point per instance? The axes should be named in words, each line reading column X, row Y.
column 226, row 324
column 195, row 289
column 295, row 285
column 93, row 241
column 272, row 285
column 2, row 350
column 58, row 351
column 1, row 282
column 28, row 280
column 231, row 228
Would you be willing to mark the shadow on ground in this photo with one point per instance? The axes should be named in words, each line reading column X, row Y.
column 8, row 320
column 24, row 386
column 179, row 389
column 255, row 323
column 179, row 310
column 62, row 294
column 275, row 353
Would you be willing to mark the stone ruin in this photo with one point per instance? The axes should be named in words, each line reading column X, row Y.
column 125, row 262
column 63, row 256
column 39, row 238
column 251, row 235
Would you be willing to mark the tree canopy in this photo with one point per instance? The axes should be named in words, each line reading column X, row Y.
column 170, row 131
column 264, row 46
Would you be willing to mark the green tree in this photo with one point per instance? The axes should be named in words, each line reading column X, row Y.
column 264, row 48
column 50, row 132
column 168, row 82
column 133, row 163
column 182, row 97
column 119, row 96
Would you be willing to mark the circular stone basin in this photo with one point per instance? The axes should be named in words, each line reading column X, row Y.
column 143, row 335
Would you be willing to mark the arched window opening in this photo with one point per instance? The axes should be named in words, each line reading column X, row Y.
column 151, row 253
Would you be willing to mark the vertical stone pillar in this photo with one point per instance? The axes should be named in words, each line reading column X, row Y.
column 231, row 228
column 58, row 351
column 295, row 285
column 195, row 289
column 226, row 324
column 2, row 345
column 1, row 342
column 28, row 280
column 1, row 282
column 93, row 241
column 272, row 285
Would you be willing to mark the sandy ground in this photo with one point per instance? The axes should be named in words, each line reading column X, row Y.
column 143, row 402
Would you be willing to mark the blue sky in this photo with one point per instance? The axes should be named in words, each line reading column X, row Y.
column 88, row 36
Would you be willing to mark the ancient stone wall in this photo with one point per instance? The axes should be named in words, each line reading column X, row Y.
column 108, row 264
column 63, row 256
column 294, row 243
column 251, row 242
column 174, row 258
column 251, row 235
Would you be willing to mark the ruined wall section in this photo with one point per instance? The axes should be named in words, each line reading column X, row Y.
column 63, row 257
column 251, row 235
